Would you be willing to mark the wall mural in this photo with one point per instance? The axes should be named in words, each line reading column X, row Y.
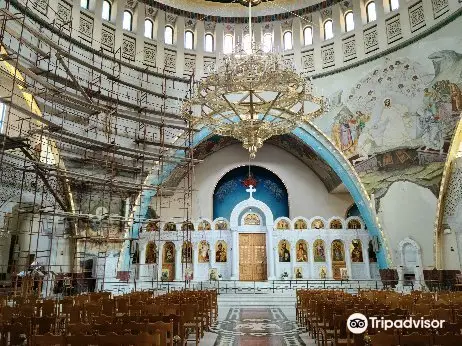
column 231, row 190
column 284, row 251
column 204, row 252
column 221, row 252
column 302, row 251
column 319, row 252
column 300, row 224
column 396, row 122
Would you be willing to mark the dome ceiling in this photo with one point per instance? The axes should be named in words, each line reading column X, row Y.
column 235, row 8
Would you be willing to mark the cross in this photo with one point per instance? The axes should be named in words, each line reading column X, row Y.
column 251, row 190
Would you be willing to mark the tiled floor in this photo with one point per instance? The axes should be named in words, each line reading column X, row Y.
column 256, row 326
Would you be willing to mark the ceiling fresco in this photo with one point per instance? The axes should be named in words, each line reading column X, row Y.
column 287, row 142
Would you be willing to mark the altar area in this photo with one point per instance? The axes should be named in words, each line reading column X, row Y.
column 253, row 246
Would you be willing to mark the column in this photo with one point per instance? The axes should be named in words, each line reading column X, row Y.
column 235, row 256
column 310, row 250
column 272, row 255
column 195, row 262
column 159, row 260
column 346, row 246
column 292, row 260
column 329, row 259
column 276, row 261
column 365, row 246
column 178, row 276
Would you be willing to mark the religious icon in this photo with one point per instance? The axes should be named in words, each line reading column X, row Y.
column 204, row 250
column 323, row 273
column 354, row 224
column 338, row 252
column 317, row 224
column 188, row 274
column 187, row 226
column 170, row 227
column 220, row 252
column 318, row 251
column 213, row 274
column 169, row 253
column 152, row 226
column 204, row 226
column 165, row 274
column 151, row 255
column 335, row 224
column 186, row 253
column 298, row 273
column 356, row 250
column 302, row 252
column 221, row 225
column 282, row 224
column 284, row 251
column 300, row 224
column 251, row 219
column 344, row 273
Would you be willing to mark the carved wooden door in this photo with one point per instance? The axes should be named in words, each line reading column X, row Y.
column 252, row 257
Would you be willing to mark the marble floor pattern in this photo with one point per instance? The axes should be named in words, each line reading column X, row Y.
column 256, row 326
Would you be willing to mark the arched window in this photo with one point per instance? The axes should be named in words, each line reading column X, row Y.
column 208, row 42
column 267, row 42
column 85, row 4
column 349, row 21
column 394, row 5
column 189, row 39
column 328, row 32
column 106, row 15
column 247, row 44
column 168, row 35
column 287, row 40
column 127, row 21
column 228, row 44
column 308, row 36
column 370, row 11
column 148, row 28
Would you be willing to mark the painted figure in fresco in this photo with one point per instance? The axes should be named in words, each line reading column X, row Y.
column 282, row 224
column 302, row 254
column 221, row 225
column 220, row 254
column 300, row 224
column 284, row 253
column 356, row 252
column 169, row 253
column 251, row 219
column 204, row 226
column 337, row 251
column 456, row 98
column 317, row 224
column 323, row 273
column 170, row 227
column 319, row 253
column 203, row 252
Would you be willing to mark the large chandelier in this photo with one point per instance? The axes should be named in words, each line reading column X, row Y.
column 252, row 96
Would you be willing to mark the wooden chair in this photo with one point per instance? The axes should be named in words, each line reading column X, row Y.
column 81, row 340
column 48, row 340
column 383, row 339
column 415, row 339
column 192, row 320
column 79, row 329
column 447, row 340
column 162, row 330
column 44, row 325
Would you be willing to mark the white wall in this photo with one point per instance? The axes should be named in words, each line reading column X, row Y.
column 307, row 194
column 408, row 210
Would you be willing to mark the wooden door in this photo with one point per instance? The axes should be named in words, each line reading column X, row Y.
column 252, row 257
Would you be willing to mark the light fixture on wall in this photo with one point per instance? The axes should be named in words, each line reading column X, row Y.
column 252, row 96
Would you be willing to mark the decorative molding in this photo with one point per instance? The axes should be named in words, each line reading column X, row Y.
column 393, row 29
column 440, row 7
column 64, row 16
column 328, row 55
column 190, row 24
column 131, row 4
column 416, row 16
column 326, row 13
column 371, row 42
column 210, row 26
column 209, row 65
column 170, row 61
column 150, row 11
column 128, row 47
column 229, row 29
column 150, row 54
column 86, row 27
column 289, row 61
column 346, row 6
column 308, row 61
column 107, row 38
column 267, row 28
column 286, row 25
column 170, row 18
column 189, row 64
column 41, row 6
column 349, row 48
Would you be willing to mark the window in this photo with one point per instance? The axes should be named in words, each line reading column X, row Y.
column 228, row 44
column 287, row 40
column 106, row 10
column 247, row 44
column 328, row 33
column 370, row 11
column 267, row 42
column 189, row 40
column 85, row 4
column 308, row 36
column 127, row 21
column 394, row 5
column 349, row 21
column 168, row 35
column 208, row 42
column 148, row 28
column 2, row 116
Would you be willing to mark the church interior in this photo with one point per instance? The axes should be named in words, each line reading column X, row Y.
column 230, row 172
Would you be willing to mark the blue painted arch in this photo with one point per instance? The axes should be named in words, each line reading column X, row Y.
column 309, row 135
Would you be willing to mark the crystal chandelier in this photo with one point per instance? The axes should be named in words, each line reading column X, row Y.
column 252, row 96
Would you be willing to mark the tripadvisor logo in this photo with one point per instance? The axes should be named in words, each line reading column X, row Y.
column 357, row 323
